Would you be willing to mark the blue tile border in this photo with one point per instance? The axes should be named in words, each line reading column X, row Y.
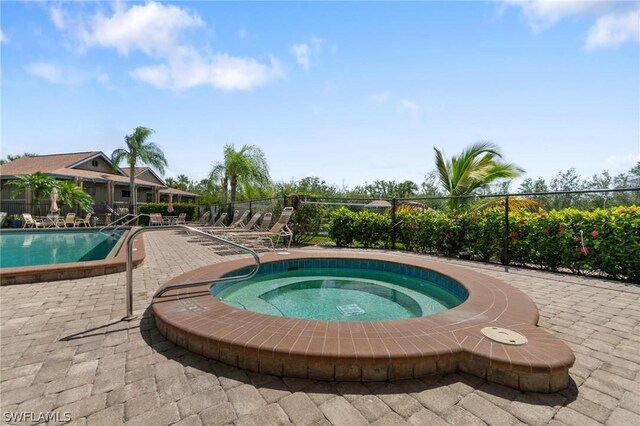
column 439, row 280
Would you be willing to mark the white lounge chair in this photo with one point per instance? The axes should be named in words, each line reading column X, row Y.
column 280, row 229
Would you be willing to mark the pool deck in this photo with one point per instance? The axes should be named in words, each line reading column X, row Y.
column 63, row 348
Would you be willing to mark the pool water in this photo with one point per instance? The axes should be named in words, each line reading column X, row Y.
column 338, row 294
column 29, row 248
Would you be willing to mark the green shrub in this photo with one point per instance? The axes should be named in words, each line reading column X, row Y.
column 306, row 222
column 189, row 208
column 372, row 229
column 606, row 241
column 341, row 223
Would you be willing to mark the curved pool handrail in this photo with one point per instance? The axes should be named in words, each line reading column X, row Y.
column 163, row 290
column 122, row 224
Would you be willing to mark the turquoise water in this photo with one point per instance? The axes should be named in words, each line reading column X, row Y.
column 338, row 294
column 29, row 248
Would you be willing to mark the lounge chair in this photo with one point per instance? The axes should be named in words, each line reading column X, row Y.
column 280, row 229
column 204, row 219
column 266, row 222
column 68, row 221
column 30, row 222
column 240, row 221
column 217, row 224
column 249, row 226
column 86, row 222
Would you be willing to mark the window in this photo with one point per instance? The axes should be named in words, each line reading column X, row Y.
column 90, row 190
column 149, row 197
column 126, row 193
column 94, row 163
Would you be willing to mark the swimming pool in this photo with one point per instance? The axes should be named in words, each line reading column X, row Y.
column 40, row 255
column 46, row 247
column 343, row 290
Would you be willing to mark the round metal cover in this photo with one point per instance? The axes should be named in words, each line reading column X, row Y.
column 504, row 335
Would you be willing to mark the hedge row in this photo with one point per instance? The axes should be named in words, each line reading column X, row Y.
column 607, row 241
column 189, row 208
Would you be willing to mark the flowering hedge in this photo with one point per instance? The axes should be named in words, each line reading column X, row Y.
column 607, row 241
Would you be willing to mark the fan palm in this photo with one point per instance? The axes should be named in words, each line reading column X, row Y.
column 139, row 150
column 475, row 168
column 247, row 166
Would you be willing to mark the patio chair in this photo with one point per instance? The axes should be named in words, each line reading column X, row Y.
column 68, row 221
column 181, row 219
column 30, row 222
column 203, row 219
column 280, row 229
column 155, row 219
column 249, row 226
column 86, row 222
column 240, row 221
column 266, row 222
column 218, row 223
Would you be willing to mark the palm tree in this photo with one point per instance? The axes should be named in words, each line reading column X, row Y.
column 248, row 166
column 475, row 168
column 40, row 184
column 71, row 195
column 138, row 149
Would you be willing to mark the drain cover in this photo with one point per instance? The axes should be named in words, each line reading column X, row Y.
column 504, row 335
column 350, row 310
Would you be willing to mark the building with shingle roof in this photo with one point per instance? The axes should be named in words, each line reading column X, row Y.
column 92, row 170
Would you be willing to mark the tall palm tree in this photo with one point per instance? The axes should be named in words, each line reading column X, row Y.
column 139, row 150
column 475, row 168
column 248, row 166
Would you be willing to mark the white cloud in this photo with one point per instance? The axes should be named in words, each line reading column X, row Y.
column 46, row 70
column 301, row 52
column 160, row 31
column 614, row 29
column 152, row 28
column 223, row 72
column 307, row 52
column 615, row 21
column 57, row 17
column 379, row 98
column 410, row 107
column 3, row 37
column 621, row 163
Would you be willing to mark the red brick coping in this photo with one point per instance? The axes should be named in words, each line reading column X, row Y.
column 75, row 270
column 371, row 351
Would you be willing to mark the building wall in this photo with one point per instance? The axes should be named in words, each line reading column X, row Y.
column 102, row 166
column 148, row 176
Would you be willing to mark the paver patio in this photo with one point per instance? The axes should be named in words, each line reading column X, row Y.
column 63, row 348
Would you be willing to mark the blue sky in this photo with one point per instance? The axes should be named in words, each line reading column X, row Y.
column 350, row 92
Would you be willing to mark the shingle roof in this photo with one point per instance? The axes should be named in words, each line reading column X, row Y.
column 57, row 165
column 177, row 192
column 44, row 163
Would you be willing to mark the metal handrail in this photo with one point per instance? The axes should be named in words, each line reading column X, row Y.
column 161, row 291
column 119, row 219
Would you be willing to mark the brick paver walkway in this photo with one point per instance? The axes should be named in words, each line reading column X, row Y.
column 64, row 349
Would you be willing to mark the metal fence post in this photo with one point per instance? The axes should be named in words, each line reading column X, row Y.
column 506, row 233
column 393, row 223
